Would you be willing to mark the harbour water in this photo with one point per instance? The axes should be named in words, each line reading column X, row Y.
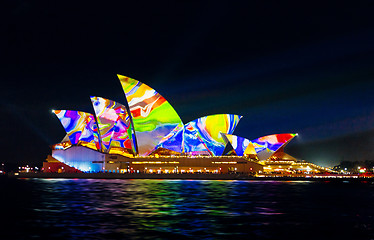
column 185, row 209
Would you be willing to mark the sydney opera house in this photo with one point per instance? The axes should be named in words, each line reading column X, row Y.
column 146, row 135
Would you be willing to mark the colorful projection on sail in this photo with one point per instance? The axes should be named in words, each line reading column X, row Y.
column 113, row 122
column 209, row 130
column 174, row 140
column 266, row 146
column 184, row 139
column 239, row 144
column 90, row 132
column 79, row 126
column 153, row 117
column 202, row 134
column 192, row 141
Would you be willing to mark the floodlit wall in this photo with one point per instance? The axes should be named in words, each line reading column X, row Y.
column 153, row 117
column 81, row 158
column 59, row 167
column 197, row 165
column 87, row 160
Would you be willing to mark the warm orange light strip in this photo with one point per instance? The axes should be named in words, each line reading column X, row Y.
column 224, row 162
column 154, row 162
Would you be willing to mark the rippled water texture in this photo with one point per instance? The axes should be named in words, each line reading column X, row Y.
column 182, row 209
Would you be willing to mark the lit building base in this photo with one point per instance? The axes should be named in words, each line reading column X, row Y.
column 88, row 160
column 287, row 167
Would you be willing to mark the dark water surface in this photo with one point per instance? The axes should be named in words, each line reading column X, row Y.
column 183, row 209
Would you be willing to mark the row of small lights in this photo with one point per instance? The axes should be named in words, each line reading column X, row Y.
column 27, row 168
column 187, row 156
column 297, row 163
column 175, row 170
column 190, row 170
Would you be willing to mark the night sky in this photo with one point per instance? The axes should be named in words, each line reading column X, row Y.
column 294, row 67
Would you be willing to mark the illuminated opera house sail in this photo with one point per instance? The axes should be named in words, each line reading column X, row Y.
column 146, row 134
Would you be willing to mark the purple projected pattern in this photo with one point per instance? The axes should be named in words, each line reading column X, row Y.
column 192, row 141
column 210, row 128
column 174, row 140
column 267, row 145
column 202, row 134
column 79, row 126
column 239, row 144
column 122, row 135
column 114, row 123
column 90, row 132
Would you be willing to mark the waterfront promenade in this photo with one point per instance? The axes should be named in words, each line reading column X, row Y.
column 192, row 176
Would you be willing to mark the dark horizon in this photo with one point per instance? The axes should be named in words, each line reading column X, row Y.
column 285, row 67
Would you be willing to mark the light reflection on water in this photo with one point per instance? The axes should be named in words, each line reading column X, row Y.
column 186, row 209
